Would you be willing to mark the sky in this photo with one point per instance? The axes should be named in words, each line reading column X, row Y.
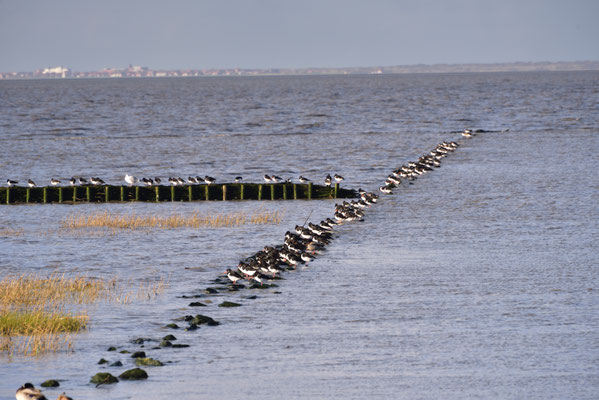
column 87, row 35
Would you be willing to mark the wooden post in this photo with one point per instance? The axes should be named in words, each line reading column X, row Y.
column 122, row 193
column 87, row 193
column 189, row 192
column 106, row 194
column 207, row 191
column 260, row 192
column 284, row 191
column 7, row 195
column 45, row 194
column 310, row 191
column 27, row 195
column 272, row 191
column 224, row 192
column 241, row 191
column 157, row 189
column 173, row 193
column 136, row 193
column 336, row 189
column 74, row 194
column 60, row 195
column 294, row 191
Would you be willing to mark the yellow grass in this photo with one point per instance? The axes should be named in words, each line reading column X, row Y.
column 33, row 309
column 194, row 220
column 9, row 232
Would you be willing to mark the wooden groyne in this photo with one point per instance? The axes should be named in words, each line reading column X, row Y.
column 161, row 193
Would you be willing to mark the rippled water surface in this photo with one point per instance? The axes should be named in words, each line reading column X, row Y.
column 479, row 280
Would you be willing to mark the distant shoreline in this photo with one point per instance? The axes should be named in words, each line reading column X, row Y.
column 144, row 72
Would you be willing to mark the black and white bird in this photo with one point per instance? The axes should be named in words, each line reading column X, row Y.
column 180, row 181
column 338, row 178
column 29, row 392
column 173, row 181
column 30, row 183
column 386, row 189
column 72, row 181
column 209, row 180
column 192, row 180
column 82, row 181
column 97, row 181
column 303, row 179
column 267, row 178
column 328, row 180
column 276, row 179
column 157, row 180
column 147, row 181
column 238, row 179
column 54, row 182
column 233, row 276
column 11, row 183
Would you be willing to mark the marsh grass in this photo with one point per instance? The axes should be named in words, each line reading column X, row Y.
column 40, row 314
column 195, row 220
column 10, row 232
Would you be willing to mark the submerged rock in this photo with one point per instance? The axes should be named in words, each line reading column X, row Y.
column 102, row 361
column 169, row 337
column 179, row 346
column 165, row 343
column 111, row 348
column 197, row 304
column 50, row 383
column 103, row 378
column 149, row 362
column 210, row 291
column 203, row 319
column 134, row 374
column 191, row 327
column 229, row 304
column 173, row 326
column 116, row 364
column 139, row 354
column 124, row 352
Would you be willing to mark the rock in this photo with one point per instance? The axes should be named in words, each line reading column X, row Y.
column 166, row 343
column 134, row 374
column 111, row 348
column 141, row 340
column 191, row 327
column 102, row 361
column 139, row 354
column 202, row 319
column 169, row 337
column 179, row 346
column 124, row 352
column 173, row 326
column 197, row 304
column 210, row 291
column 103, row 378
column 116, row 364
column 229, row 304
column 50, row 383
column 254, row 297
column 149, row 362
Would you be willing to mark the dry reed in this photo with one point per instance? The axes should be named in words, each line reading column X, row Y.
column 33, row 309
column 194, row 220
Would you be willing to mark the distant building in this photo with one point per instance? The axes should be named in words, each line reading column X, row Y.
column 61, row 72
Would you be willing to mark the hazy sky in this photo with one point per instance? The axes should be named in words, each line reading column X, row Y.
column 92, row 34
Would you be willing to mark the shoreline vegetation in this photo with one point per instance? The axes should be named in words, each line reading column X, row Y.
column 40, row 314
column 105, row 220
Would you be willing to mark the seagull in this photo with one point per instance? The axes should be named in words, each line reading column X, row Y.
column 327, row 180
column 28, row 392
column 238, row 179
column 303, row 180
column 54, row 182
column 338, row 178
column 11, row 183
column 31, row 183
column 130, row 179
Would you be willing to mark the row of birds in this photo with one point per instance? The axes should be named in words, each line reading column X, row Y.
column 301, row 245
column 132, row 180
column 414, row 169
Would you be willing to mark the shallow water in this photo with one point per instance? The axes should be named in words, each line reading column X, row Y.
column 477, row 281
